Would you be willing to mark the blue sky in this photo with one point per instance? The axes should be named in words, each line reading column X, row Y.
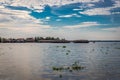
column 70, row 19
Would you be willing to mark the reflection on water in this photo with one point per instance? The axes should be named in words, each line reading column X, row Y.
column 35, row 61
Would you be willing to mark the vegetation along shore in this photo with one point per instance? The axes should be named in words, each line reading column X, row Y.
column 40, row 40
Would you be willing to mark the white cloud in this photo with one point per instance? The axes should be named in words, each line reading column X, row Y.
column 47, row 18
column 39, row 4
column 13, row 30
column 77, row 9
column 17, row 18
column 116, row 29
column 115, row 12
column 90, row 5
column 24, row 32
column 16, row 15
column 83, row 24
column 117, row 3
column 113, row 33
column 101, row 11
column 68, row 16
column 20, row 23
column 62, row 33
column 97, row 11
column 63, row 2
column 89, row 1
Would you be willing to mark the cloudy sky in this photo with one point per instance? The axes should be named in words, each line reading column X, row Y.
column 70, row 19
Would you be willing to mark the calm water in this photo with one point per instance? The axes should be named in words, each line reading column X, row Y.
column 35, row 61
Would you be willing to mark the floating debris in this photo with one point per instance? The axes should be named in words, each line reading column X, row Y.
column 106, row 53
column 67, row 68
column 57, row 46
column 74, row 67
column 70, row 70
column 77, row 67
column 117, row 48
column 58, row 68
column 67, row 53
column 68, row 50
column 60, row 76
column 64, row 46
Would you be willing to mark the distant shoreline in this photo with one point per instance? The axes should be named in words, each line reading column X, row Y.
column 67, row 41
column 49, row 40
column 40, row 40
column 104, row 40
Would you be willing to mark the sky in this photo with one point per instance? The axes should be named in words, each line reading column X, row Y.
column 70, row 19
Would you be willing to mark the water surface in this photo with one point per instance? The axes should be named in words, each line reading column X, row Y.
column 35, row 61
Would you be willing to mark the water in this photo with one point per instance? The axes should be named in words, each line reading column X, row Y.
column 35, row 61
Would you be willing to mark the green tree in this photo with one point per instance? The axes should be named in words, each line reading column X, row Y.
column 57, row 38
column 52, row 38
column 0, row 39
column 41, row 38
column 36, row 39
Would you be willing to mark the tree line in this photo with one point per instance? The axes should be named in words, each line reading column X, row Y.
column 30, row 39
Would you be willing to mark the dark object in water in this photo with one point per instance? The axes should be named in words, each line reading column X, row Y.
column 60, row 76
column 80, row 41
column 74, row 67
column 58, row 68
column 117, row 48
column 54, row 41
column 67, row 53
column 68, row 50
column 64, row 46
